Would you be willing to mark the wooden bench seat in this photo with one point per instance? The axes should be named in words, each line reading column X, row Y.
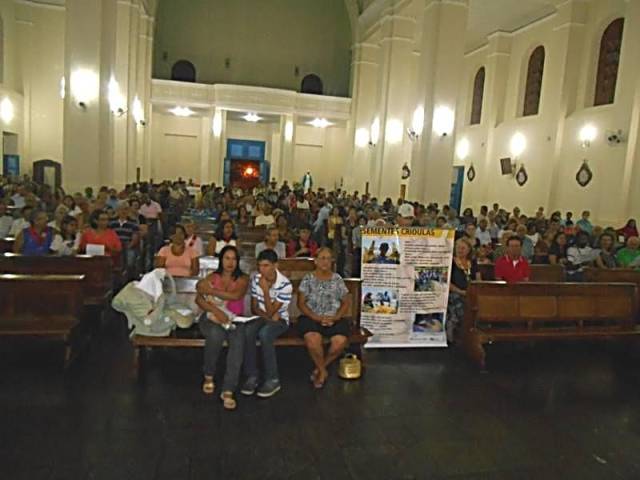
column 97, row 271
column 41, row 306
column 191, row 338
column 500, row 312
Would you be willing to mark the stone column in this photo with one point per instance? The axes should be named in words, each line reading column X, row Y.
column 496, row 79
column 631, row 179
column 440, row 70
column 570, row 39
column 284, row 168
column 364, row 69
column 394, row 82
column 217, row 150
column 89, row 46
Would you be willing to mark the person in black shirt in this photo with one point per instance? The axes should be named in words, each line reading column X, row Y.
column 463, row 270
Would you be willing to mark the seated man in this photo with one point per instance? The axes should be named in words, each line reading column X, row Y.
column 323, row 299
column 579, row 256
column 270, row 297
column 513, row 267
column 629, row 256
column 272, row 242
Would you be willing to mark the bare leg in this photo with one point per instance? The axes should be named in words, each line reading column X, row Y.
column 313, row 341
column 338, row 344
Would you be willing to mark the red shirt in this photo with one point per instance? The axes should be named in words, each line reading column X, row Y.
column 108, row 238
column 512, row 271
column 294, row 246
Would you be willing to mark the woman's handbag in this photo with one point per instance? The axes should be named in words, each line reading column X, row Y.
column 350, row 367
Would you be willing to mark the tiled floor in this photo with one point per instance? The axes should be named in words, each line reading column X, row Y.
column 550, row 411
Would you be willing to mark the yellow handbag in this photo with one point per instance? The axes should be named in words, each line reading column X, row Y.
column 350, row 367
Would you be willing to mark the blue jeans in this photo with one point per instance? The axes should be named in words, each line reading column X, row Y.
column 266, row 331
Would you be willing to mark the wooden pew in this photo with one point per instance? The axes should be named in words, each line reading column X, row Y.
column 97, row 271
column 191, row 338
column 523, row 312
column 539, row 273
column 296, row 268
column 614, row 275
column 6, row 244
column 41, row 306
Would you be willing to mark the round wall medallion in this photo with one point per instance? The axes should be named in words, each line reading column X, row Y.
column 471, row 173
column 584, row 175
column 522, row 176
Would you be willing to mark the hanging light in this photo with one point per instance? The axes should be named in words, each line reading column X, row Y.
column 320, row 122
column 518, row 144
column 6, row 110
column 217, row 123
column 182, row 111
column 375, row 132
column 252, row 117
column 443, row 121
column 462, row 150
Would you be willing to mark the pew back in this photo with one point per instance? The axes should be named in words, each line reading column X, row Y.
column 539, row 273
column 47, row 305
column 97, row 271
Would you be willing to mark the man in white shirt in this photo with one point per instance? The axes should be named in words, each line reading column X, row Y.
column 6, row 220
column 482, row 233
column 21, row 223
column 18, row 198
column 270, row 297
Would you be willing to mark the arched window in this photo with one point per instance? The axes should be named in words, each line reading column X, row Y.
column 478, row 94
column 608, row 62
column 533, row 87
column 311, row 83
column 183, row 71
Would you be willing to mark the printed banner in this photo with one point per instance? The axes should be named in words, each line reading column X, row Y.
column 405, row 285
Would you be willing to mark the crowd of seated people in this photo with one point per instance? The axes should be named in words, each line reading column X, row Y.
column 148, row 225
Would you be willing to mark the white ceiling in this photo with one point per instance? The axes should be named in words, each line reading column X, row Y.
column 489, row 16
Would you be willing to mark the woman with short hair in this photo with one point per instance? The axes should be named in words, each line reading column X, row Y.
column 36, row 239
column 177, row 257
column 323, row 300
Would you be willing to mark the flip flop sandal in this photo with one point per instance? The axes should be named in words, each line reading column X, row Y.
column 208, row 387
column 228, row 402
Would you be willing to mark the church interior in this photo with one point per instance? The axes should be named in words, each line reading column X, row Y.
column 461, row 174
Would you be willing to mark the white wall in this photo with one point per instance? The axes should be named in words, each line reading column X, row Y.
column 554, row 155
column 263, row 40
column 176, row 147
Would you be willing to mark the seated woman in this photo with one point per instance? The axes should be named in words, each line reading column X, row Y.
column 225, row 235
column 304, row 246
column 193, row 240
column 67, row 242
column 178, row 258
column 100, row 234
column 36, row 239
column 243, row 216
column 221, row 295
column 558, row 250
column 463, row 270
column 283, row 228
column 59, row 213
column 323, row 300
column 607, row 256
column 629, row 230
column 272, row 242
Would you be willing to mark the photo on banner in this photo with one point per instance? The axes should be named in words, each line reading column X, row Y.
column 405, row 285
